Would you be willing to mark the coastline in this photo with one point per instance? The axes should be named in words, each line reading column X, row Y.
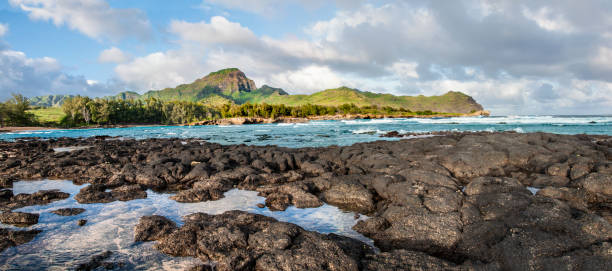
column 252, row 120
column 446, row 200
column 260, row 120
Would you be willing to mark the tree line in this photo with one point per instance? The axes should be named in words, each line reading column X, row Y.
column 14, row 112
column 80, row 111
column 83, row 110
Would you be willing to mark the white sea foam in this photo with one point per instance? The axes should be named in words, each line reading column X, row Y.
column 110, row 227
column 516, row 120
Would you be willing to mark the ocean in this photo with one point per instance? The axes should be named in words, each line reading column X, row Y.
column 341, row 132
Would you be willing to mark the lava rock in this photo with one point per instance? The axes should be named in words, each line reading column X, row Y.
column 19, row 218
column 152, row 228
column 68, row 211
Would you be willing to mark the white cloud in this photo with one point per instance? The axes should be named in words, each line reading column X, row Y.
column 511, row 60
column 307, row 80
column 273, row 7
column 4, row 28
column 113, row 55
column 40, row 76
column 405, row 69
column 545, row 18
column 94, row 18
column 219, row 30
column 161, row 69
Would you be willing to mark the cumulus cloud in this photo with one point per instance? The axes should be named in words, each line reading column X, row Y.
column 41, row 76
column 218, row 31
column 94, row 18
column 113, row 55
column 267, row 7
column 161, row 70
column 512, row 56
column 4, row 28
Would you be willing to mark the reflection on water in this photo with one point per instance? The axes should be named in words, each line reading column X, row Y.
column 63, row 244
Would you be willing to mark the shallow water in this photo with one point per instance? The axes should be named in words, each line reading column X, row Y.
column 110, row 226
column 342, row 132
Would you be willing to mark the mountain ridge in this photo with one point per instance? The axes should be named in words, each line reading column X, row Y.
column 233, row 86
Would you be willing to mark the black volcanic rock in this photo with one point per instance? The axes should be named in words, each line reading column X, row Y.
column 11, row 238
column 68, row 211
column 19, row 218
column 452, row 201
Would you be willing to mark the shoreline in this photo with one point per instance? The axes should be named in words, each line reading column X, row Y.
column 251, row 120
column 260, row 120
column 458, row 201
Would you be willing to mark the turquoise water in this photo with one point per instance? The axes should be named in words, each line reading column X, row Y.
column 342, row 132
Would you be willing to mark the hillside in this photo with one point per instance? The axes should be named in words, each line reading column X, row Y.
column 233, row 86
column 451, row 102
column 49, row 100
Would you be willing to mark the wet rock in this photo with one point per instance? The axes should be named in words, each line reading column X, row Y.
column 19, row 218
column 555, row 181
column 94, row 194
column 152, row 228
column 128, row 192
column 349, row 195
column 39, row 198
column 11, row 238
column 237, row 240
column 68, row 211
column 405, row 260
column 420, row 230
column 278, row 201
column 261, row 205
column 467, row 164
column 82, row 222
column 559, row 169
column 202, row 267
column 459, row 198
column 95, row 261
column 298, row 193
column 486, row 185
column 313, row 168
column 6, row 195
column 579, row 170
column 6, row 181
column 197, row 195
column 598, row 184
column 573, row 197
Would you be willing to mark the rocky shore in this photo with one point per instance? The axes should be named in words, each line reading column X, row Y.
column 477, row 201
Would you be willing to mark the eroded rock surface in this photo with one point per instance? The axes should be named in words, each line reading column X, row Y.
column 11, row 238
column 68, row 211
column 19, row 218
column 237, row 240
column 459, row 198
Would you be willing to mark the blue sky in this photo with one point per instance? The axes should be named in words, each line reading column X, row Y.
column 514, row 57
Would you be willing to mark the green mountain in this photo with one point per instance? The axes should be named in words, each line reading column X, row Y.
column 49, row 100
column 451, row 102
column 232, row 86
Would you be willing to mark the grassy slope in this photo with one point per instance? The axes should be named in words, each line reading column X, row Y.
column 50, row 114
column 452, row 102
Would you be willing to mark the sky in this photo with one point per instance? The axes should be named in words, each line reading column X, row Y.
column 514, row 57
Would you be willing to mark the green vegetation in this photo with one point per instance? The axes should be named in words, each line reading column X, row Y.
column 232, row 86
column 48, row 115
column 86, row 111
column 15, row 112
column 48, row 100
